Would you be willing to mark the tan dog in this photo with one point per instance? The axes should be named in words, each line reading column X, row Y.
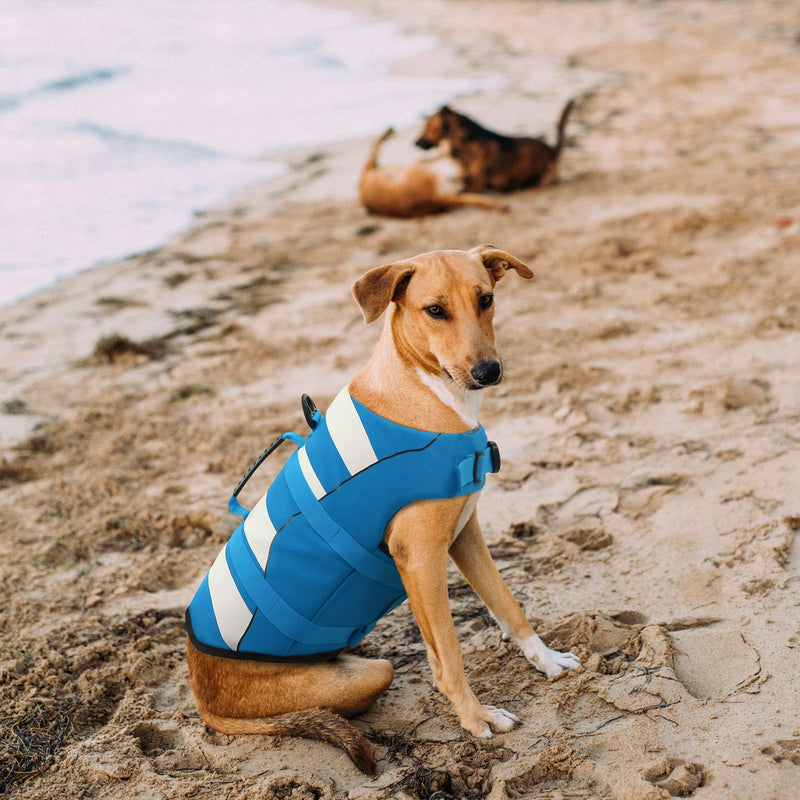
column 435, row 355
column 410, row 191
column 490, row 160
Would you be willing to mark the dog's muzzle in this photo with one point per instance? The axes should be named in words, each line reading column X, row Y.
column 424, row 143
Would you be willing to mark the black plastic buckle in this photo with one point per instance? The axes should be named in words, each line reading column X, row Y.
column 494, row 454
column 309, row 409
column 256, row 464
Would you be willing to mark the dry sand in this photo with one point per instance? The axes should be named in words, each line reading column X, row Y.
column 647, row 511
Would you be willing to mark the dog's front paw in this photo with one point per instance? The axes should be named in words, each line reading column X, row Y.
column 551, row 662
column 490, row 720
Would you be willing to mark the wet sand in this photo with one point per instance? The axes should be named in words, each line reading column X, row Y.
column 647, row 512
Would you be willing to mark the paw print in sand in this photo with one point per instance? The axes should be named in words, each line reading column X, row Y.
column 675, row 775
column 784, row 750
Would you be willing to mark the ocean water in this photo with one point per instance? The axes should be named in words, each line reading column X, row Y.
column 118, row 120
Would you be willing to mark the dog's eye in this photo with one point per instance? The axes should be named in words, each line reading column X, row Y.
column 486, row 300
column 435, row 311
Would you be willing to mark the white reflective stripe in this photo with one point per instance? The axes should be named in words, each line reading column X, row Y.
column 232, row 614
column 308, row 473
column 259, row 531
column 348, row 434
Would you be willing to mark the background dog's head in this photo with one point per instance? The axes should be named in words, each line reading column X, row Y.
column 436, row 128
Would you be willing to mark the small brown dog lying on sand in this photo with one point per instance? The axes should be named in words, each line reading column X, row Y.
column 410, row 191
column 490, row 160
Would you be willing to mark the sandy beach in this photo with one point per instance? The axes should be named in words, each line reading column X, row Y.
column 647, row 512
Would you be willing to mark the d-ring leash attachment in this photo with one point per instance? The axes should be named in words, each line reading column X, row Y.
column 313, row 417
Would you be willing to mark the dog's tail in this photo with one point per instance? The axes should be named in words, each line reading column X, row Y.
column 311, row 723
column 562, row 124
column 372, row 159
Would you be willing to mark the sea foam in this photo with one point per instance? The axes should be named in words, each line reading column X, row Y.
column 118, row 119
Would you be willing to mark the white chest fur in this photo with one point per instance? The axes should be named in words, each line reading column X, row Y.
column 464, row 402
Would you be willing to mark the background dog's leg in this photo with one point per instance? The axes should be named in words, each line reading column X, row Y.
column 372, row 159
column 474, row 173
column 550, row 175
column 468, row 199
column 472, row 557
column 421, row 557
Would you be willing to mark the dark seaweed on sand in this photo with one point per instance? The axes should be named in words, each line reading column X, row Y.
column 29, row 741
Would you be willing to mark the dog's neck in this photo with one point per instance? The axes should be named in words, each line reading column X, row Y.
column 397, row 388
column 464, row 402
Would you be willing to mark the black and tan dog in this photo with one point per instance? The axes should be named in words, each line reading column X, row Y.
column 490, row 160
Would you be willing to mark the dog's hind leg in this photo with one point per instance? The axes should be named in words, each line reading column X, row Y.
column 372, row 158
column 469, row 199
column 550, row 175
column 297, row 699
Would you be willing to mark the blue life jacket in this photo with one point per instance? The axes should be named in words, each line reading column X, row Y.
column 305, row 574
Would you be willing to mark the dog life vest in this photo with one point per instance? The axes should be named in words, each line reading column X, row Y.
column 305, row 574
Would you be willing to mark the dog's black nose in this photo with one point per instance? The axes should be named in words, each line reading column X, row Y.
column 487, row 372
column 423, row 143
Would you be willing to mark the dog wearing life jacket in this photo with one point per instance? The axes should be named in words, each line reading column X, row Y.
column 490, row 160
column 410, row 191
column 365, row 512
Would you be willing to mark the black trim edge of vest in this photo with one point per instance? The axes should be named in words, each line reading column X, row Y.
column 216, row 651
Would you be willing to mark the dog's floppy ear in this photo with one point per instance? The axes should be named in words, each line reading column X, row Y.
column 498, row 262
column 375, row 290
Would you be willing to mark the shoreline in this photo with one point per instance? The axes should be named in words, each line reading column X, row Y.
column 310, row 174
column 291, row 157
column 646, row 513
column 228, row 159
